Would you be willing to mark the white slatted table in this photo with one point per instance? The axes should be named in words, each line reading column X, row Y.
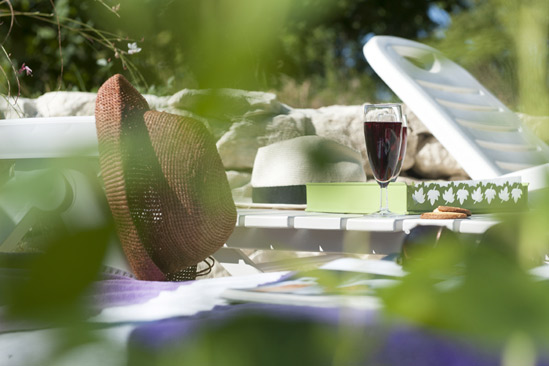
column 298, row 230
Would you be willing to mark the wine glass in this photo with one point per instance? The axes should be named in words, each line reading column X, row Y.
column 402, row 148
column 383, row 136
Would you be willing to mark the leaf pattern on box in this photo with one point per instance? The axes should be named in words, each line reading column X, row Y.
column 476, row 196
column 419, row 196
column 490, row 193
column 504, row 194
column 516, row 193
column 449, row 196
column 433, row 195
column 462, row 195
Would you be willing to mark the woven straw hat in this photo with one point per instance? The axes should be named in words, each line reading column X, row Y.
column 165, row 184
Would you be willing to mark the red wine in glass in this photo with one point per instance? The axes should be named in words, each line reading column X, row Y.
column 383, row 144
column 383, row 125
column 402, row 152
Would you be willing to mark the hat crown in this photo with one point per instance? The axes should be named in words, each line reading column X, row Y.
column 165, row 184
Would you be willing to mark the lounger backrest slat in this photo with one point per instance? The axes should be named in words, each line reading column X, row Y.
column 48, row 137
column 481, row 133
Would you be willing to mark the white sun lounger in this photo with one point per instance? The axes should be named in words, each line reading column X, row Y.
column 48, row 137
column 486, row 138
column 49, row 170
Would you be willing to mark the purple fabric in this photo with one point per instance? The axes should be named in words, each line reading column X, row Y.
column 116, row 288
column 420, row 347
column 157, row 335
column 126, row 291
column 113, row 288
column 384, row 343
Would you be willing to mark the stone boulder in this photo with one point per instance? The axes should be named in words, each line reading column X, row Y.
column 11, row 108
column 60, row 104
column 240, row 185
column 239, row 145
column 244, row 121
column 433, row 161
column 344, row 124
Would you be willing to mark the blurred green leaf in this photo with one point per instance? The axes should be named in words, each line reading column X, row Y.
column 50, row 284
column 503, row 43
column 255, row 339
column 482, row 292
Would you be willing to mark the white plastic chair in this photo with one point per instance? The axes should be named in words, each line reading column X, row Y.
column 49, row 172
column 48, row 164
column 486, row 138
column 48, row 137
column 60, row 155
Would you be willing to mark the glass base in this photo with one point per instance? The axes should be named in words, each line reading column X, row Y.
column 384, row 213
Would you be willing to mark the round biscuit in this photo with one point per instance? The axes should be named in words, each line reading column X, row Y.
column 453, row 209
column 443, row 215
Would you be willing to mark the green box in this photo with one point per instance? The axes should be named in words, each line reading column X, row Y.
column 363, row 198
column 354, row 197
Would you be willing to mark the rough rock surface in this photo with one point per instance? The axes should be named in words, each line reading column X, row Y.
column 56, row 104
column 239, row 145
column 244, row 121
column 344, row 124
column 240, row 185
column 434, row 161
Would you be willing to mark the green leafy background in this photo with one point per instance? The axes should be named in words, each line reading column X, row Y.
column 309, row 53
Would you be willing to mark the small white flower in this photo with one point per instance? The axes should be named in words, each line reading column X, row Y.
column 132, row 48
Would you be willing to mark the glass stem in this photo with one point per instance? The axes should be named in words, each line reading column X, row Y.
column 384, row 209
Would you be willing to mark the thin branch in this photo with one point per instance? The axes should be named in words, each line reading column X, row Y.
column 111, row 9
column 104, row 38
column 60, row 78
column 12, row 20
column 14, row 72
